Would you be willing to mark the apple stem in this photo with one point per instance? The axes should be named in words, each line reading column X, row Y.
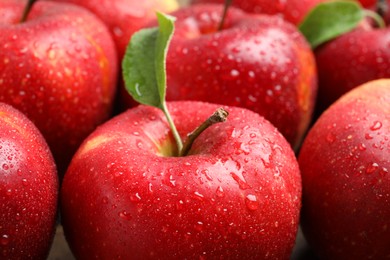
column 27, row 10
column 225, row 10
column 220, row 115
column 382, row 7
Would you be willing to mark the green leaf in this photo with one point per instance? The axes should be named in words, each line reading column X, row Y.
column 329, row 20
column 143, row 66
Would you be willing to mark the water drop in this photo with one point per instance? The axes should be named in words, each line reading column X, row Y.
column 251, row 202
column 376, row 126
column 5, row 166
column 220, row 193
column 372, row 168
column 124, row 215
column 240, row 181
column 198, row 195
column 234, row 73
column 368, row 136
column 135, row 197
column 4, row 240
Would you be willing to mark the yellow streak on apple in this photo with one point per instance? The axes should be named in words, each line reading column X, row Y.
column 104, row 66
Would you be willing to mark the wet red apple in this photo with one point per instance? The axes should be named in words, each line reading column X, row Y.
column 28, row 188
column 345, row 164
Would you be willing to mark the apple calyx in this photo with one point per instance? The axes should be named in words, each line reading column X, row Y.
column 144, row 73
column 220, row 115
column 27, row 10
column 225, row 10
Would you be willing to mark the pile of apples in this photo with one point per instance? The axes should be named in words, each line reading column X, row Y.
column 303, row 138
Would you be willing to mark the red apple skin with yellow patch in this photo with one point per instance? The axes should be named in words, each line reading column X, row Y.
column 345, row 167
column 28, row 188
column 261, row 63
column 236, row 195
column 60, row 68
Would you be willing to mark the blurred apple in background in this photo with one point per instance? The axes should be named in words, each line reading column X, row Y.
column 257, row 62
column 352, row 59
column 345, row 164
column 60, row 68
column 28, row 188
column 125, row 17
column 291, row 10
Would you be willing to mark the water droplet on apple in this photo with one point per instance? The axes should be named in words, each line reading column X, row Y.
column 251, row 202
column 125, row 215
column 117, row 31
column 372, row 168
column 198, row 195
column 105, row 200
column 234, row 73
column 135, row 197
column 5, row 166
column 362, row 147
column 368, row 136
column 199, row 226
column 240, row 181
column 4, row 240
column 24, row 182
column 376, row 126
column 220, row 193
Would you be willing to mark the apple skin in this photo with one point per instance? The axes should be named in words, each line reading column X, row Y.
column 350, row 60
column 28, row 188
column 235, row 196
column 59, row 68
column 125, row 17
column 291, row 10
column 257, row 62
column 345, row 164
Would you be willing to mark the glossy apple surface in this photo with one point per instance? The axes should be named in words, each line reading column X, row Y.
column 345, row 164
column 291, row 10
column 350, row 60
column 257, row 62
column 28, row 188
column 236, row 195
column 59, row 68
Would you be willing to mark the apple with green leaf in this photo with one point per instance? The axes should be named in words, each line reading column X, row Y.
column 360, row 54
column 28, row 188
column 345, row 164
column 135, row 190
column 58, row 65
column 257, row 62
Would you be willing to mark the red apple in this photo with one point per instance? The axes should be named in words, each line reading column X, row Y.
column 291, row 10
column 350, row 60
column 60, row 68
column 125, row 17
column 28, row 188
column 257, row 62
column 345, row 164
column 236, row 195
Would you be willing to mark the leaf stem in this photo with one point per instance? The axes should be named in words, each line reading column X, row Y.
column 225, row 10
column 376, row 17
column 219, row 115
column 27, row 10
column 175, row 133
